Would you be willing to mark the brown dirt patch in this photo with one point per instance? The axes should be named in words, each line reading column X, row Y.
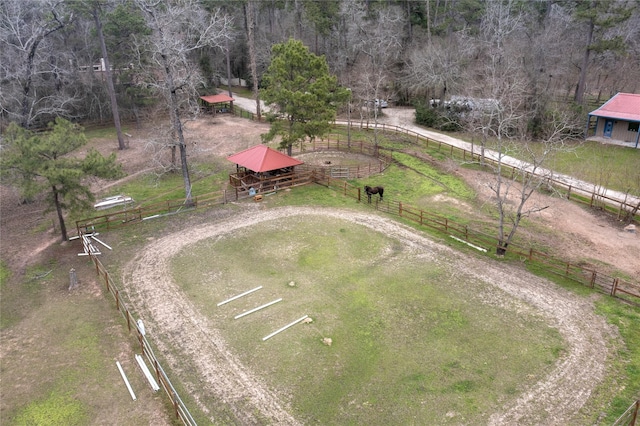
column 338, row 159
column 576, row 234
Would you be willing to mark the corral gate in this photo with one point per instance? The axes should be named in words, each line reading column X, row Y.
column 340, row 172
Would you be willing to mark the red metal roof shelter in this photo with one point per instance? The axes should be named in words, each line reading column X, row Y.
column 217, row 99
column 261, row 158
column 623, row 106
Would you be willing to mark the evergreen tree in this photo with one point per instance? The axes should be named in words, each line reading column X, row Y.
column 303, row 95
column 323, row 15
column 41, row 162
column 599, row 17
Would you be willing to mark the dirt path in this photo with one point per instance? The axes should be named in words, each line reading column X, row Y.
column 554, row 400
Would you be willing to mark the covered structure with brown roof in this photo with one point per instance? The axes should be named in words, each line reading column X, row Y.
column 263, row 169
column 618, row 119
column 217, row 103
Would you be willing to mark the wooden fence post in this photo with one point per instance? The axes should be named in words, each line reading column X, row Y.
column 620, row 211
column 155, row 366
column 141, row 340
column 614, row 287
column 174, row 400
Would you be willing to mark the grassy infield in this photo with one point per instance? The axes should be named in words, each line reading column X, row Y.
column 410, row 343
column 405, row 351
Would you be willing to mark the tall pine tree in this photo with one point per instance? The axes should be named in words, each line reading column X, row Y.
column 41, row 162
column 597, row 18
column 303, row 95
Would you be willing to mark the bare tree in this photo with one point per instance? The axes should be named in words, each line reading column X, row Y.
column 499, row 112
column 180, row 29
column 250, row 13
column 435, row 69
column 631, row 187
column 495, row 107
column 527, row 175
column 26, row 29
column 377, row 46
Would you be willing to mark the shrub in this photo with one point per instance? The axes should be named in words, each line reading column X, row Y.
column 437, row 118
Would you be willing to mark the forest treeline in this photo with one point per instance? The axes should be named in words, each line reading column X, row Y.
column 77, row 58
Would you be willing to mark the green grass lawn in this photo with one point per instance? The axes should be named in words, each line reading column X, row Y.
column 610, row 166
column 410, row 344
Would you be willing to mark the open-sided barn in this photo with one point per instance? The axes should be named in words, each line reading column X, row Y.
column 263, row 169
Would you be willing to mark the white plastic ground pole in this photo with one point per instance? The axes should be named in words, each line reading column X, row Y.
column 239, row 296
column 147, row 373
column 469, row 244
column 284, row 328
column 257, row 309
column 126, row 382
column 88, row 247
column 101, row 242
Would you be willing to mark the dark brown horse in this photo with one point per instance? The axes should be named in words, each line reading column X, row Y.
column 373, row 190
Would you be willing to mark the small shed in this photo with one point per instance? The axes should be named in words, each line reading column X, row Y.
column 217, row 103
column 262, row 168
column 618, row 119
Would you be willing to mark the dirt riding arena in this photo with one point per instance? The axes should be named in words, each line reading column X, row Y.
column 553, row 400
